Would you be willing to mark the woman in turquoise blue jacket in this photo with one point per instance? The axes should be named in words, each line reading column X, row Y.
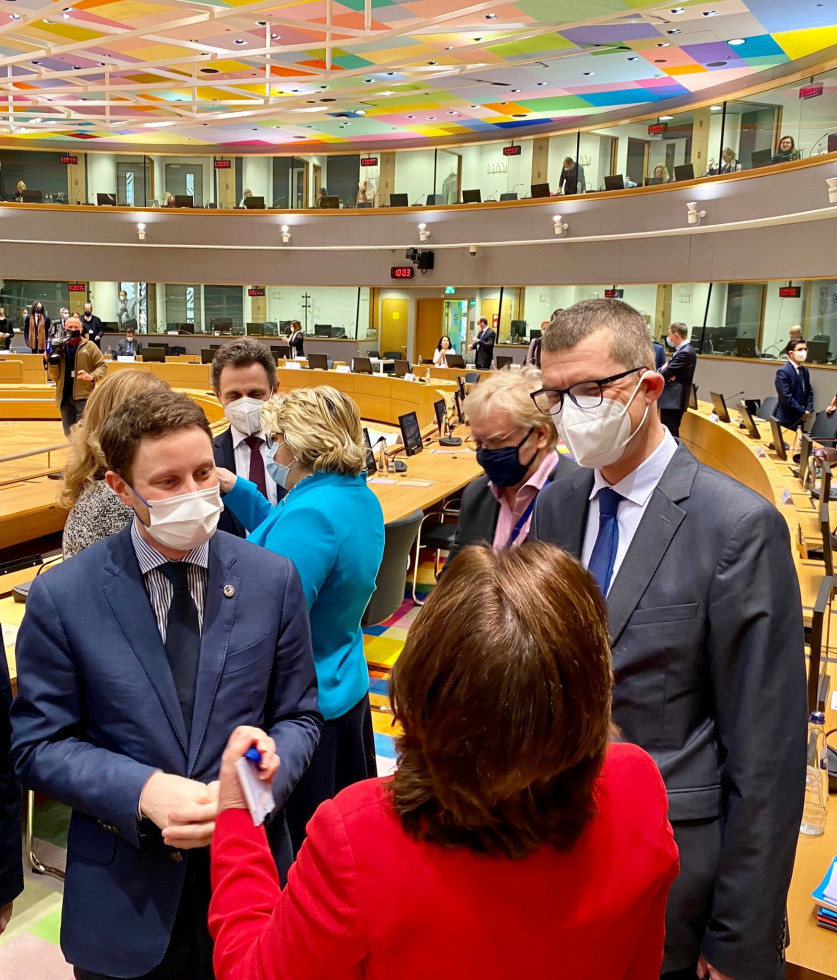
column 331, row 526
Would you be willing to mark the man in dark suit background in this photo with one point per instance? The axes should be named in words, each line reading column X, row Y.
column 126, row 699
column 484, row 345
column 706, row 626
column 11, row 866
column 92, row 325
column 243, row 377
column 130, row 346
column 659, row 354
column 793, row 386
column 516, row 448
column 678, row 374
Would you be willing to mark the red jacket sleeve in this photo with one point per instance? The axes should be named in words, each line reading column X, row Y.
column 313, row 929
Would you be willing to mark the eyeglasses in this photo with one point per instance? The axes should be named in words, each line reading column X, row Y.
column 586, row 394
column 498, row 442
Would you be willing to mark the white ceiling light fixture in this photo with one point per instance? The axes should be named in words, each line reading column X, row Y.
column 735, row 41
column 559, row 226
column 693, row 216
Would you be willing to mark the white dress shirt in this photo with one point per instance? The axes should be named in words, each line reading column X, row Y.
column 241, row 452
column 636, row 488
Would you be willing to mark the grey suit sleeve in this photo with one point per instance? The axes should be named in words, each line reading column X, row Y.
column 294, row 720
column 11, row 868
column 756, row 660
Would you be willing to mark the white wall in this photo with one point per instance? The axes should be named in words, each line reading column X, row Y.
column 779, row 316
column 101, row 175
column 208, row 175
column 105, row 299
column 414, row 174
column 257, row 176
column 336, row 305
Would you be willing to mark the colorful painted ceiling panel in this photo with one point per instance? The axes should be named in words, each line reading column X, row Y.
column 294, row 72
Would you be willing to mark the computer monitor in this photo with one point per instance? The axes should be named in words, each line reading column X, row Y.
column 454, row 361
column 824, row 488
column 747, row 420
column 614, row 182
column 410, row 433
column 371, row 464
column 207, row 355
column 761, row 158
column 817, row 351
column 471, row 197
column 221, row 325
column 818, row 639
column 778, row 444
column 693, row 401
column 502, row 361
column 254, row 203
column 441, row 411
column 435, row 199
column 460, row 387
column 685, row 171
column 330, row 202
column 518, row 329
column 130, row 323
column 281, row 350
column 399, row 201
column 457, row 401
column 185, row 328
column 511, row 196
column 102, row 199
column 535, row 334
column 150, row 353
column 745, row 347
column 33, row 197
column 825, row 532
column 402, row 368
column 285, row 326
column 255, row 329
column 318, row 362
column 361, row 365
column 271, row 328
column 164, row 347
column 184, row 201
column 322, row 329
column 539, row 190
column 720, row 406
column 238, row 330
column 651, row 181
column 805, row 445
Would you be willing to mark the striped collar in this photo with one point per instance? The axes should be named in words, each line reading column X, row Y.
column 149, row 558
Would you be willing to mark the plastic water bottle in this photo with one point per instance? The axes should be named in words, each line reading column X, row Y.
column 816, row 778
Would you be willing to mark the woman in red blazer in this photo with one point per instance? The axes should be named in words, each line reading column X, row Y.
column 513, row 841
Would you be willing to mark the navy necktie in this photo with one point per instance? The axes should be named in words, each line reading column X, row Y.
column 183, row 636
column 603, row 557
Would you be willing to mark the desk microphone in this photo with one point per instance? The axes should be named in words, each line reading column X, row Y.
column 449, row 439
column 729, row 398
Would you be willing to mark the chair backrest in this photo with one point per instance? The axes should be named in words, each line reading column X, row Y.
column 392, row 575
column 373, row 353
column 825, row 426
column 393, row 355
column 472, row 377
column 767, row 407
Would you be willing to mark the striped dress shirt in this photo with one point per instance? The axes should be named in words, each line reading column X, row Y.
column 159, row 588
column 636, row 488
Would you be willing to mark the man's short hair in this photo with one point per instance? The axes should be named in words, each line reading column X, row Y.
column 794, row 343
column 680, row 329
column 241, row 353
column 630, row 342
column 151, row 415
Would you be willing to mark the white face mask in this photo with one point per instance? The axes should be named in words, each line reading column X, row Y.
column 800, row 356
column 597, row 437
column 186, row 521
column 245, row 414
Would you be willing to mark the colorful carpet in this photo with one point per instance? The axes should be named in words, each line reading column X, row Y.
column 29, row 949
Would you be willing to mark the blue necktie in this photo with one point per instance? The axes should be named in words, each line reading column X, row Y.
column 183, row 636
column 603, row 557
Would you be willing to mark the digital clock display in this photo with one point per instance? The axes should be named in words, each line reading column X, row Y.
column 402, row 272
column 614, row 293
column 790, row 292
column 223, row 164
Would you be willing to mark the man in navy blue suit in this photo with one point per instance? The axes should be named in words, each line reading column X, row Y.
column 129, row 687
column 243, row 377
column 678, row 373
column 793, row 386
column 11, row 866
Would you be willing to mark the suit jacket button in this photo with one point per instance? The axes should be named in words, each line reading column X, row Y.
column 176, row 856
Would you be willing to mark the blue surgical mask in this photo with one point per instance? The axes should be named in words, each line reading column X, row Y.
column 278, row 472
column 503, row 466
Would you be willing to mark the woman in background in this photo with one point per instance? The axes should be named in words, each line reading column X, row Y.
column 19, row 190
column 331, row 526
column 95, row 510
column 786, row 151
column 7, row 330
column 661, row 174
column 296, row 339
column 36, row 328
column 443, row 348
column 513, row 840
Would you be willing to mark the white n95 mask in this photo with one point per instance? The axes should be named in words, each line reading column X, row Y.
column 597, row 437
column 800, row 355
column 245, row 414
column 186, row 521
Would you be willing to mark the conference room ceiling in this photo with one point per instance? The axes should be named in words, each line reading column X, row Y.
column 304, row 75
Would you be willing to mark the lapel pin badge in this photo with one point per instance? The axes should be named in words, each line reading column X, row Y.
column 229, row 591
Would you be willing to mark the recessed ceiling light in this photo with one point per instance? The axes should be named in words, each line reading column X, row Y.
column 449, row 48
column 543, row 83
column 589, row 73
column 709, row 13
column 48, row 21
column 261, row 23
column 665, row 118
column 519, row 115
column 411, row 117
column 360, row 112
column 452, row 112
column 677, row 10
column 663, row 44
column 515, row 90
column 490, row 16
column 715, row 108
column 14, row 16
column 736, row 41
column 35, row 62
column 634, row 58
column 432, row 62
column 210, row 71
column 674, row 30
column 432, row 118
column 477, row 38
column 76, row 67
column 473, row 107
column 369, row 81
column 101, row 64
column 274, row 37
column 240, row 40
column 390, row 73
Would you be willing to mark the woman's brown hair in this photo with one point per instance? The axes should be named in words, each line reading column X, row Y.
column 86, row 462
column 503, row 692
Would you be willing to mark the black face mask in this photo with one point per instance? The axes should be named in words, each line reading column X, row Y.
column 503, row 466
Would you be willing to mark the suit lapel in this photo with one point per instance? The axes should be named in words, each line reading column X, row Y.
column 126, row 595
column 658, row 526
column 219, row 614
column 227, row 450
column 569, row 513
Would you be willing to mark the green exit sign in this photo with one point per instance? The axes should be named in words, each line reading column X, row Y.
column 449, row 290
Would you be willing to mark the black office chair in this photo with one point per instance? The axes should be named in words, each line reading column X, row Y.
column 824, row 428
column 767, row 407
column 373, row 353
column 394, row 355
column 399, row 537
column 472, row 377
column 438, row 535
